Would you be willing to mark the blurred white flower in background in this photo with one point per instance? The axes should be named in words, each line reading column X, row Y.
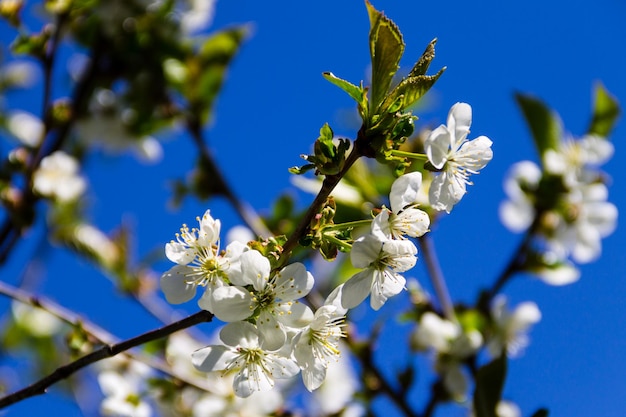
column 26, row 127
column 511, row 326
column 57, row 177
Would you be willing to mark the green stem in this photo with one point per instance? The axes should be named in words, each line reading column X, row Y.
column 328, row 185
column 410, row 155
column 346, row 225
column 341, row 243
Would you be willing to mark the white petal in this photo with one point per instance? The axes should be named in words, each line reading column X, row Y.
column 294, row 314
column 525, row 315
column 232, row 303
column 365, row 250
column 314, row 375
column 175, row 286
column 517, row 216
column 179, row 253
column 596, row 150
column 250, row 379
column 402, row 254
column 212, row 358
column 475, row 154
column 445, row 191
column 437, row 146
column 411, row 222
column 240, row 334
column 281, row 367
column 293, row 282
column 459, row 121
column 209, row 229
column 385, row 284
column 404, row 191
column 357, row 288
column 380, row 225
column 272, row 336
column 255, row 269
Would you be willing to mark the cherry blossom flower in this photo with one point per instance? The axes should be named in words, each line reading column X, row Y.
column 57, row 177
column 382, row 259
column 272, row 299
column 405, row 218
column 574, row 158
column 200, row 263
column 317, row 344
column 511, row 327
column 449, row 150
column 123, row 384
column 244, row 354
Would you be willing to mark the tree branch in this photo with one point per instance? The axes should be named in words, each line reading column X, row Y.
column 436, row 277
column 110, row 349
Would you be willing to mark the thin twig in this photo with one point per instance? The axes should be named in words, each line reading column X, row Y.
column 106, row 351
column 365, row 357
column 112, row 343
column 436, row 276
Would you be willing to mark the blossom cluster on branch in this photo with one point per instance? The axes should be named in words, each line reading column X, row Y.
column 289, row 294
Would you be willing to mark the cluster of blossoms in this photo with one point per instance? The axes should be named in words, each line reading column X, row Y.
column 270, row 332
column 453, row 343
column 568, row 201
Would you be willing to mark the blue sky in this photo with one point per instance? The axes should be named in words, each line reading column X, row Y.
column 275, row 101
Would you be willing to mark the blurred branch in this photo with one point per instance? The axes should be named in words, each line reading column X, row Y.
column 112, row 346
column 365, row 356
column 515, row 264
column 245, row 211
column 11, row 229
column 436, row 277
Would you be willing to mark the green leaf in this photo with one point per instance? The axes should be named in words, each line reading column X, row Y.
column 408, row 91
column 544, row 125
column 605, row 112
column 356, row 92
column 386, row 49
column 542, row 412
column 422, row 64
column 489, row 383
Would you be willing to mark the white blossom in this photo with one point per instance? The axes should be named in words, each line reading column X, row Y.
column 449, row 150
column 199, row 262
column 244, row 354
column 405, row 218
column 382, row 259
column 57, row 177
column 511, row 327
column 316, row 345
column 585, row 219
column 518, row 212
column 274, row 298
column 124, row 383
column 574, row 158
column 26, row 127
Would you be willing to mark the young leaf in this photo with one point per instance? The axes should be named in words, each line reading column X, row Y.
column 356, row 92
column 489, row 383
column 422, row 64
column 544, row 125
column 605, row 112
column 386, row 49
column 408, row 91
